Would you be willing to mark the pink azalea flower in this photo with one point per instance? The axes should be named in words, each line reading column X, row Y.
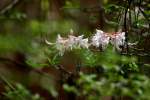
column 103, row 39
column 100, row 39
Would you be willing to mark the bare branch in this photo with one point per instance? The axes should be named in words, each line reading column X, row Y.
column 125, row 23
column 9, row 6
column 143, row 13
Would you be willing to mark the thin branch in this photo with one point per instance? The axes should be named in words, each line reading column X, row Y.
column 9, row 6
column 6, row 82
column 125, row 24
column 137, row 54
column 23, row 65
column 10, row 85
column 61, row 68
column 143, row 13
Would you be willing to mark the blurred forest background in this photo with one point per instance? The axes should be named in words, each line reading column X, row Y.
column 32, row 70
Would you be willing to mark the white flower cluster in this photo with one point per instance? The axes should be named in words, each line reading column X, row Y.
column 103, row 39
column 63, row 44
column 100, row 39
column 118, row 39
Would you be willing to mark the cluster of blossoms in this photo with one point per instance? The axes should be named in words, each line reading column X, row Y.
column 64, row 44
column 100, row 39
